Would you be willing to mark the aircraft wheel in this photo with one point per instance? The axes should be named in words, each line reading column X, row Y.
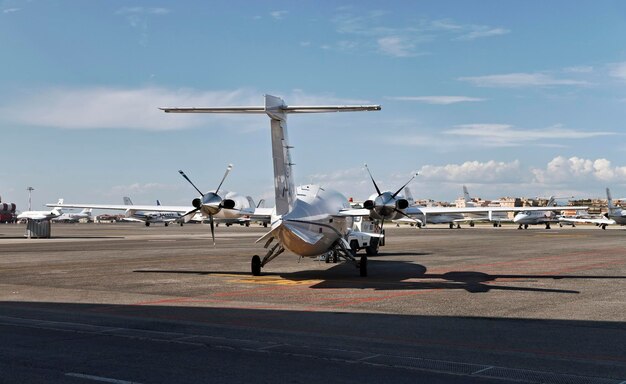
column 451, row 225
column 166, row 224
column 363, row 266
column 335, row 257
column 264, row 225
column 147, row 223
column 327, row 258
column 604, row 227
column 181, row 223
column 256, row 265
column 525, row 226
column 547, row 226
column 354, row 246
column 472, row 224
column 247, row 224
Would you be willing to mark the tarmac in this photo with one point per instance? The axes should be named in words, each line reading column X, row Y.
column 125, row 303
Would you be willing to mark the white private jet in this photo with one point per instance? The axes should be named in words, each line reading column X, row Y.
column 74, row 217
column 149, row 217
column 496, row 218
column 541, row 215
column 56, row 211
column 308, row 220
column 614, row 215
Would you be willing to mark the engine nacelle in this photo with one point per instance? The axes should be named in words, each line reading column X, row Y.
column 228, row 204
column 402, row 204
column 368, row 204
column 197, row 203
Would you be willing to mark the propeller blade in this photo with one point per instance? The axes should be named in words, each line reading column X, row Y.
column 228, row 169
column 402, row 187
column 212, row 229
column 190, row 182
column 191, row 212
column 372, row 177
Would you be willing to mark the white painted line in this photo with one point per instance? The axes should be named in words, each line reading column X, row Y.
column 368, row 357
column 99, row 378
column 481, row 370
column 270, row 346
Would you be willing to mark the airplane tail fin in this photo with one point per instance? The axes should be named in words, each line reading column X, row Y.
column 261, row 203
column 86, row 211
column 57, row 208
column 466, row 195
column 127, row 201
column 551, row 202
column 158, row 202
column 250, row 201
column 409, row 196
column 609, row 200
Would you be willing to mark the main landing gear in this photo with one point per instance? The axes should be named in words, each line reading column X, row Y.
column 339, row 250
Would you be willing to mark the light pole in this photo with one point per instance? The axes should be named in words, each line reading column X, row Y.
column 30, row 190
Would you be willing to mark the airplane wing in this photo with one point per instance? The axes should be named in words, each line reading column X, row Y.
column 354, row 212
column 121, row 207
column 484, row 210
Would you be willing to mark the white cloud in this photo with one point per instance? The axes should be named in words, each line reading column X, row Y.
column 279, row 15
column 443, row 100
column 370, row 30
column 480, row 31
column 618, row 70
column 127, row 108
column 519, row 80
column 138, row 189
column 396, row 46
column 473, row 171
column 579, row 69
column 505, row 135
column 575, row 170
column 143, row 10
column 10, row 10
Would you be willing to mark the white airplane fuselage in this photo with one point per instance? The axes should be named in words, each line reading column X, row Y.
column 534, row 217
column 321, row 230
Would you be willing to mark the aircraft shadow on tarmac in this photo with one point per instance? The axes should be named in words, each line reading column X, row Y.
column 402, row 275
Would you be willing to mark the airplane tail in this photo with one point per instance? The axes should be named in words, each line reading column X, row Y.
column 57, row 209
column 609, row 200
column 277, row 110
column 127, row 201
column 409, row 196
column 158, row 202
column 261, row 204
column 86, row 211
column 551, row 202
column 250, row 201
column 466, row 195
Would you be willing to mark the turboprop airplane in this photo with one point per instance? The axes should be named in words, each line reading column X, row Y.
column 308, row 220
column 210, row 204
column 43, row 215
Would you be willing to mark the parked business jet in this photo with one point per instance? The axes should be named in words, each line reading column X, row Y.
column 540, row 215
column 74, row 217
column 148, row 216
column 56, row 211
column 496, row 218
column 614, row 215
column 308, row 220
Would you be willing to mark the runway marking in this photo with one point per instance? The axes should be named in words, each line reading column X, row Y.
column 100, row 378
column 481, row 370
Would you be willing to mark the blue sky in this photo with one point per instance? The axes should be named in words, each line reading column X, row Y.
column 510, row 98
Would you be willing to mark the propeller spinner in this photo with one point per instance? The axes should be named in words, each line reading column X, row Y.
column 209, row 203
column 387, row 205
